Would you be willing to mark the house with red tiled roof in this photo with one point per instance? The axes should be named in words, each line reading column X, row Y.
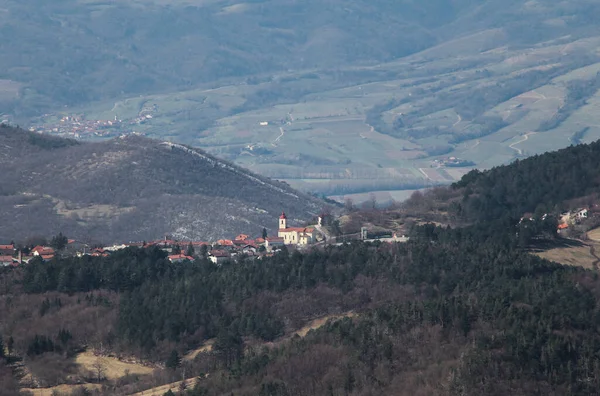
column 42, row 251
column 7, row 250
column 272, row 242
column 295, row 235
column 178, row 258
column 218, row 256
column 242, row 237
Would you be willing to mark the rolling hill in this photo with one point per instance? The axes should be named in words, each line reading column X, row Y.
column 357, row 97
column 133, row 189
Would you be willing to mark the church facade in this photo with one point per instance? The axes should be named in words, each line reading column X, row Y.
column 295, row 235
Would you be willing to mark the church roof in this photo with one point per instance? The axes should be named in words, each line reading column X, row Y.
column 282, row 217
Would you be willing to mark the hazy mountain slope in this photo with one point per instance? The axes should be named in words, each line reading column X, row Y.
column 74, row 51
column 134, row 189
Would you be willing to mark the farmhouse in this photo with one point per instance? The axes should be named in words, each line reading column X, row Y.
column 295, row 235
column 178, row 258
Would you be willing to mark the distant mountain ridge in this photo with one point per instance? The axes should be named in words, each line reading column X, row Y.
column 133, row 188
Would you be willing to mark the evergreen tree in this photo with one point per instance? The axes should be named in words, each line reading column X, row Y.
column 176, row 249
column 174, row 361
column 204, row 251
column 10, row 345
column 190, row 250
column 59, row 242
column 264, row 233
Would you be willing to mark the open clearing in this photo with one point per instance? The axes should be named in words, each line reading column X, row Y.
column 161, row 390
column 207, row 347
column 66, row 389
column 594, row 234
column 575, row 253
column 115, row 368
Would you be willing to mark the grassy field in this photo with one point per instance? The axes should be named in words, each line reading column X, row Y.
column 575, row 253
column 437, row 93
column 594, row 234
column 113, row 368
column 61, row 389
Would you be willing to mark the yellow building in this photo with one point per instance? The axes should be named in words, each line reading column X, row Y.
column 295, row 235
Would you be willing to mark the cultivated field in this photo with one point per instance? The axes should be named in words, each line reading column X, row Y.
column 488, row 107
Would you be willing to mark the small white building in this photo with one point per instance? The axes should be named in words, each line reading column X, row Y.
column 581, row 214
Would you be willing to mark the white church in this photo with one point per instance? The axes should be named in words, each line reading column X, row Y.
column 295, row 235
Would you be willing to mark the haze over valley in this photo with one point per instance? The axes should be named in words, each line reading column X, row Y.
column 335, row 98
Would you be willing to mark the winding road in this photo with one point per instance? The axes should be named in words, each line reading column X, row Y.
column 523, row 139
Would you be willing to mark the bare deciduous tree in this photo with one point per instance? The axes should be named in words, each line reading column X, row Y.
column 99, row 367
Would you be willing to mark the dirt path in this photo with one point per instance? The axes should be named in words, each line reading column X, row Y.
column 161, row 390
column 278, row 137
column 315, row 324
column 458, row 121
column 523, row 139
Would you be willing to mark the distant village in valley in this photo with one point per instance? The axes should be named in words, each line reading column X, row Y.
column 77, row 126
column 241, row 246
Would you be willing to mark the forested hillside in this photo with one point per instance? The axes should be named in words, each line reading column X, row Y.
column 448, row 313
column 133, row 189
column 454, row 311
column 541, row 184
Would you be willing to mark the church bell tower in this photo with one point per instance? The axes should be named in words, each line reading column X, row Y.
column 282, row 221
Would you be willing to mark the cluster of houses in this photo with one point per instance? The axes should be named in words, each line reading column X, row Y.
column 567, row 219
column 179, row 251
column 572, row 217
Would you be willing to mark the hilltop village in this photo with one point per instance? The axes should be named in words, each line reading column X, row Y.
column 178, row 251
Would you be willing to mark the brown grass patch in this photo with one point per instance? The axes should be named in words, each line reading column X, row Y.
column 61, row 389
column 161, row 390
column 580, row 256
column 206, row 347
column 114, row 367
column 594, row 234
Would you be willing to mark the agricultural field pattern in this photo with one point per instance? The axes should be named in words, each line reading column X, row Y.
column 484, row 96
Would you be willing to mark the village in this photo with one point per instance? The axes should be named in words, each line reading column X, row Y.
column 77, row 126
column 218, row 252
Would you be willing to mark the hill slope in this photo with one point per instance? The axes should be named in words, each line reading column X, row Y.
column 131, row 189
